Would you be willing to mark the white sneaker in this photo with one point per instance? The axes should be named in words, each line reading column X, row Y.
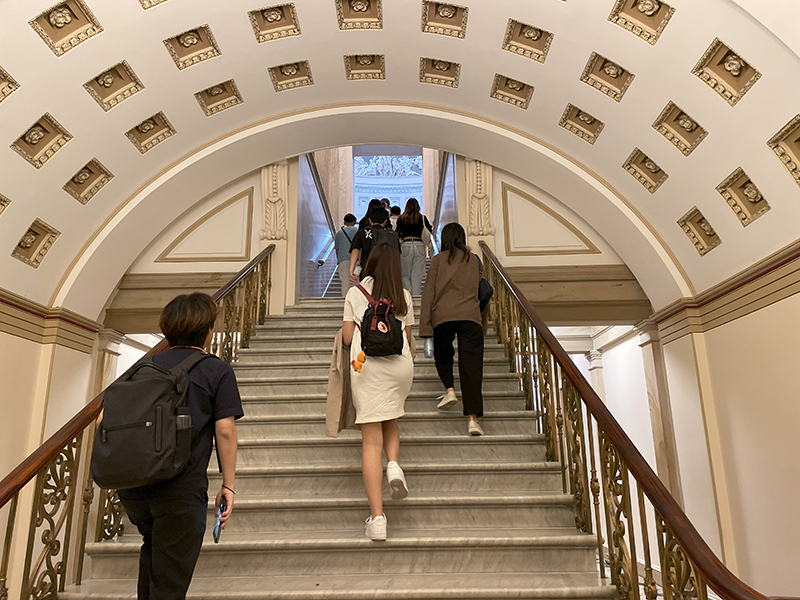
column 376, row 528
column 475, row 428
column 447, row 400
column 397, row 481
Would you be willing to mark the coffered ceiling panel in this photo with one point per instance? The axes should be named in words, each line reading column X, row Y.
column 717, row 66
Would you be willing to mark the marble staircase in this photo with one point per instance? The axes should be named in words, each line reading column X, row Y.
column 485, row 519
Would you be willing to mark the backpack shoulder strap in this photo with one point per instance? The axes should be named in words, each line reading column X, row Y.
column 369, row 298
column 188, row 363
column 347, row 236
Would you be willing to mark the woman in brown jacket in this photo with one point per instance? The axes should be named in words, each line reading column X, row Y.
column 450, row 308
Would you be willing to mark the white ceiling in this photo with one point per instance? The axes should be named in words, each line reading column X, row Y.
column 586, row 178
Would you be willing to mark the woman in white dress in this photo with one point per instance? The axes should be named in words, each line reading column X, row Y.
column 381, row 383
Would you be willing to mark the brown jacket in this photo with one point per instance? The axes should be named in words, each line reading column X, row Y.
column 339, row 410
column 450, row 292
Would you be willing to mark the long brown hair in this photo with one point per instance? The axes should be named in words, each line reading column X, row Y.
column 454, row 238
column 383, row 265
column 411, row 214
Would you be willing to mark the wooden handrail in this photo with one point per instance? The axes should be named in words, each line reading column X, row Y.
column 716, row 574
column 27, row 470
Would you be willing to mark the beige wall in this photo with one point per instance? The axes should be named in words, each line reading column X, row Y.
column 754, row 373
column 690, row 439
column 20, row 360
column 69, row 387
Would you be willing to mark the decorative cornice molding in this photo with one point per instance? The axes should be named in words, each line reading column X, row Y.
column 775, row 278
column 32, row 321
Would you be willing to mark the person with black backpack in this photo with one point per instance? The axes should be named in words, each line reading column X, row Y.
column 378, row 315
column 368, row 237
column 153, row 443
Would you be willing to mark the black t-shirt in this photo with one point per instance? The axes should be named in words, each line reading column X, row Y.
column 364, row 222
column 364, row 240
column 213, row 395
column 405, row 230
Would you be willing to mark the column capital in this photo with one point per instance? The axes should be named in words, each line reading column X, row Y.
column 648, row 332
column 110, row 339
column 595, row 358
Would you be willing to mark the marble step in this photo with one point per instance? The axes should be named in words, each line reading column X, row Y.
column 256, row 403
column 320, row 325
column 418, row 511
column 346, row 479
column 434, row 422
column 311, row 339
column 320, row 368
column 493, row 352
column 417, row 448
column 438, row 586
column 314, row 553
column 501, row 382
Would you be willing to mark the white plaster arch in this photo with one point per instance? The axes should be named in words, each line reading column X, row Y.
column 94, row 273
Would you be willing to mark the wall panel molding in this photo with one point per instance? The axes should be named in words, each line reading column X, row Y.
column 768, row 281
column 32, row 321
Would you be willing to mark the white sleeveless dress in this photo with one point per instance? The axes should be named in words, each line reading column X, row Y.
column 381, row 388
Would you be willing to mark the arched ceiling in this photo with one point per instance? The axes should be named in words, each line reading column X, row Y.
column 99, row 239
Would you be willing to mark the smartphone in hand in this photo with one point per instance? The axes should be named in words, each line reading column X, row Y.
column 217, row 525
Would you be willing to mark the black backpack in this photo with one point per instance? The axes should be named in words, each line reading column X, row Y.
column 381, row 332
column 145, row 436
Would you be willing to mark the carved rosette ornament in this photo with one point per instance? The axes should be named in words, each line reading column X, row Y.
column 365, row 60
column 290, row 70
column 611, row 69
column 733, row 64
column 479, row 186
column 275, row 183
column 585, row 117
column 686, row 123
column 648, row 7
column 27, row 240
column 531, row 33
column 34, row 135
column 216, row 90
column 441, row 65
column 146, row 127
column 751, row 192
column 272, row 15
column 446, row 11
column 189, row 39
column 359, row 5
column 82, row 176
column 515, row 85
column 60, row 17
column 105, row 80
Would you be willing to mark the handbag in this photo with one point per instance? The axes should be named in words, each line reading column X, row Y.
column 485, row 293
column 426, row 234
column 485, row 289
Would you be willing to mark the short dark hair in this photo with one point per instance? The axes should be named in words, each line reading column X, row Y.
column 396, row 210
column 349, row 218
column 187, row 319
column 378, row 215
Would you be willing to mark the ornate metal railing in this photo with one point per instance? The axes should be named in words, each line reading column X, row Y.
column 60, row 465
column 617, row 496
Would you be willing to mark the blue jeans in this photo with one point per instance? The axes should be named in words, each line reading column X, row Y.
column 412, row 262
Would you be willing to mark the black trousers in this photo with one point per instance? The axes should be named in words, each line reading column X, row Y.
column 470, row 360
column 172, row 530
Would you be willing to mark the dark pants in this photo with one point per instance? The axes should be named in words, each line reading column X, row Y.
column 172, row 530
column 470, row 360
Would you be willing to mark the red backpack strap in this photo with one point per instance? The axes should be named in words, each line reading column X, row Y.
column 370, row 299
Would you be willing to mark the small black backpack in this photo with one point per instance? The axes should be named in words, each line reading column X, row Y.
column 145, row 436
column 381, row 331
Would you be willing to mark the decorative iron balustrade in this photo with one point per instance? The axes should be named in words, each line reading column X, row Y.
column 61, row 465
column 617, row 496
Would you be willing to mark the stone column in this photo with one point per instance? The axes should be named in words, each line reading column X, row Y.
column 660, row 408
column 596, row 378
column 478, row 219
column 108, row 341
column 280, row 228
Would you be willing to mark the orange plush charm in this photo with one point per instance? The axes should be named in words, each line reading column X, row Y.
column 357, row 364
